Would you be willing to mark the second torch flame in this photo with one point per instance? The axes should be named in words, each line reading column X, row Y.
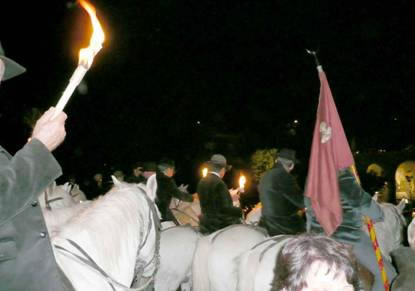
column 86, row 57
column 242, row 181
column 204, row 172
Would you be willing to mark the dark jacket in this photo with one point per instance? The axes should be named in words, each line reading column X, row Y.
column 355, row 203
column 281, row 199
column 166, row 190
column 216, row 205
column 27, row 261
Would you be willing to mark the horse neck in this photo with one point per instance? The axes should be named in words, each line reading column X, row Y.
column 57, row 217
column 111, row 230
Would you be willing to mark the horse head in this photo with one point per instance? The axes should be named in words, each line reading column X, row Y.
column 56, row 196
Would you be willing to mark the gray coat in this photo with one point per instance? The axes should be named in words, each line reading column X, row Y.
column 27, row 261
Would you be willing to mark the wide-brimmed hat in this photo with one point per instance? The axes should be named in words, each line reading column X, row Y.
column 288, row 154
column 219, row 161
column 12, row 69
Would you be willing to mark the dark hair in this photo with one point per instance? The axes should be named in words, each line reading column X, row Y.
column 297, row 255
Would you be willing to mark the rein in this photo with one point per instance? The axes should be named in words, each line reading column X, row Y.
column 139, row 267
column 49, row 201
column 156, row 257
column 91, row 263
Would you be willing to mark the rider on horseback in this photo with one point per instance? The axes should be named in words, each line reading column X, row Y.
column 215, row 199
column 281, row 197
column 167, row 189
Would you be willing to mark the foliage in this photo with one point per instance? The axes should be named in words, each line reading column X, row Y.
column 261, row 161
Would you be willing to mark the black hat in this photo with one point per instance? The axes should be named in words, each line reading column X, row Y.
column 288, row 154
column 12, row 68
column 219, row 161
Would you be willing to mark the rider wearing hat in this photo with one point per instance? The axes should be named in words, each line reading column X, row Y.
column 281, row 197
column 215, row 199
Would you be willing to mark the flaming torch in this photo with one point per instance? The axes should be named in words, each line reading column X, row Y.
column 242, row 181
column 204, row 172
column 86, row 56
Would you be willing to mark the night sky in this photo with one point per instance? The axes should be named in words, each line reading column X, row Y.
column 176, row 74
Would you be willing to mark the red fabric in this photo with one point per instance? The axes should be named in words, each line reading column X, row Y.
column 327, row 157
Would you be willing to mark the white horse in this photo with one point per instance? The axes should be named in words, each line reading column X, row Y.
column 215, row 263
column 112, row 244
column 177, row 248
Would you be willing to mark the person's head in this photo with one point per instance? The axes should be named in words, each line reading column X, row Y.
column 8, row 67
column 98, row 178
column 119, row 175
column 312, row 262
column 137, row 169
column 149, row 168
column 286, row 157
column 218, row 164
column 167, row 167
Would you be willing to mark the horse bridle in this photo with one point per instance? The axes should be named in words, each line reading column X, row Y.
column 49, row 201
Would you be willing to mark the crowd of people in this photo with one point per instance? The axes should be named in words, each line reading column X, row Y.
column 305, row 262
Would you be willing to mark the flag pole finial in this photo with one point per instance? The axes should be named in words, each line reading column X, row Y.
column 314, row 54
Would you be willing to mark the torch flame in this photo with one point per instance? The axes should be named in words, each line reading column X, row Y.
column 86, row 55
column 204, row 172
column 242, row 181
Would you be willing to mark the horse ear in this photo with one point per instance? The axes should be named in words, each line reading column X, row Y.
column 401, row 206
column 67, row 187
column 115, row 181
